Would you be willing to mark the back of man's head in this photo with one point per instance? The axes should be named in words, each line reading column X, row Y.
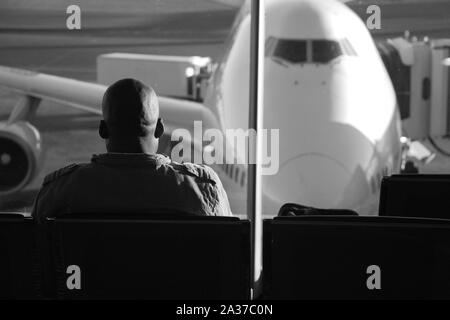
column 130, row 113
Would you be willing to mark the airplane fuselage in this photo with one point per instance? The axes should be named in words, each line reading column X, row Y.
column 327, row 92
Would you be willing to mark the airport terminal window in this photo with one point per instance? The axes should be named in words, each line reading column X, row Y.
column 292, row 51
column 325, row 50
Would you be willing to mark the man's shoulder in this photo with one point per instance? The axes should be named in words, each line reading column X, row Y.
column 61, row 173
column 199, row 171
column 214, row 198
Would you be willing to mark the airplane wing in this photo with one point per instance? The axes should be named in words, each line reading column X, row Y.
column 88, row 97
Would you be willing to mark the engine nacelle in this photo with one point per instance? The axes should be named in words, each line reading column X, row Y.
column 20, row 155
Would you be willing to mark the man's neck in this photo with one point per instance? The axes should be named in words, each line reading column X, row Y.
column 132, row 147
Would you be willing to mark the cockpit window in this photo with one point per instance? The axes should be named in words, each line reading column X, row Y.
column 348, row 48
column 292, row 51
column 325, row 50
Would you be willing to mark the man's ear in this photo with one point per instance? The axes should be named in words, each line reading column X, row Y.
column 159, row 130
column 103, row 130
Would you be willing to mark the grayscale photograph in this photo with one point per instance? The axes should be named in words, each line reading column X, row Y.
column 224, row 154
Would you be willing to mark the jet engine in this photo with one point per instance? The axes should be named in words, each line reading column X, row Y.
column 20, row 155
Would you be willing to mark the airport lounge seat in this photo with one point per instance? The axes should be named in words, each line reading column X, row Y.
column 151, row 258
column 18, row 265
column 356, row 258
column 415, row 195
column 294, row 209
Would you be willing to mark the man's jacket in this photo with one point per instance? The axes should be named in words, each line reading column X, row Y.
column 134, row 184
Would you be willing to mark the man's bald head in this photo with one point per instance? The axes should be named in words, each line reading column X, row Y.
column 130, row 111
column 130, row 108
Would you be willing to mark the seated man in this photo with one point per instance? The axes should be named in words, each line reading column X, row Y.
column 131, row 177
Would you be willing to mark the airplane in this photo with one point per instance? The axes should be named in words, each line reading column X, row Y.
column 326, row 90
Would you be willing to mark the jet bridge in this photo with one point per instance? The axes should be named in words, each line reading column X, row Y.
column 420, row 76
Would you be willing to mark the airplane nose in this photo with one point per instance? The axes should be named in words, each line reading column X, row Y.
column 310, row 179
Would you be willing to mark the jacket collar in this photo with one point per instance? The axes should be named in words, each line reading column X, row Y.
column 111, row 158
